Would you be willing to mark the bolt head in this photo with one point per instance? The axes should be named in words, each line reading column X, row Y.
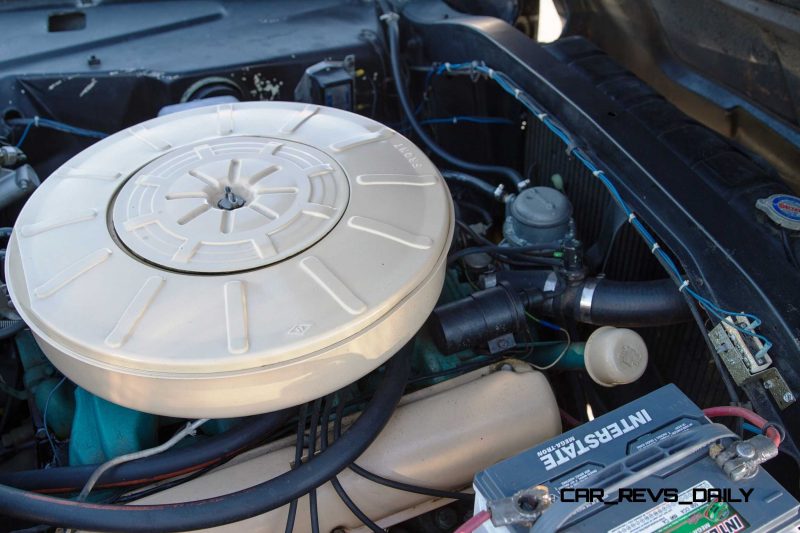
column 746, row 450
column 768, row 384
column 788, row 397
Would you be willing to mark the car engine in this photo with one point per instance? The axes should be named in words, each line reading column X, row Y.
column 337, row 265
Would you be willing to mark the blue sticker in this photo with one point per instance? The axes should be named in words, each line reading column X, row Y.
column 787, row 206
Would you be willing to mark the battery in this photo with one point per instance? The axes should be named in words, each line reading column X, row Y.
column 663, row 477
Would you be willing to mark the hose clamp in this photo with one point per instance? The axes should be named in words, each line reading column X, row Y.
column 551, row 283
column 585, row 303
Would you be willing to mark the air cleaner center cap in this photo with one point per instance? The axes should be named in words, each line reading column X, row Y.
column 229, row 205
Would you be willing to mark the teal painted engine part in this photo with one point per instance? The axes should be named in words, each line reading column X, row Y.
column 41, row 379
column 427, row 359
column 98, row 430
column 102, row 430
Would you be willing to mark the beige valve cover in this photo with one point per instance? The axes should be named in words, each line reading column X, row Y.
column 232, row 260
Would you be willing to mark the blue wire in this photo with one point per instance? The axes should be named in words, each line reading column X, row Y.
column 751, row 428
column 24, row 134
column 53, row 125
column 402, row 127
column 663, row 258
column 461, row 118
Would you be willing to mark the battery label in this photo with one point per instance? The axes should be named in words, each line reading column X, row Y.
column 675, row 517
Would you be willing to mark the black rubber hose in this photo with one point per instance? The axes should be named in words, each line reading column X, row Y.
column 298, row 458
column 515, row 251
column 593, row 301
column 398, row 485
column 337, row 486
column 416, row 489
column 637, row 304
column 355, row 509
column 312, row 451
column 394, row 56
column 474, row 182
column 229, row 508
column 171, row 463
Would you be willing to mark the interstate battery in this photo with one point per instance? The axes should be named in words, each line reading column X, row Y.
column 692, row 495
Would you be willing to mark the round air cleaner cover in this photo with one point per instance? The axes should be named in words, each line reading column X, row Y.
column 232, row 260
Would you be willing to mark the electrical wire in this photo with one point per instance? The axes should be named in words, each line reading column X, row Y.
column 474, row 523
column 554, row 327
column 298, row 458
column 337, row 485
column 684, row 284
column 752, row 429
column 760, row 422
column 39, row 122
column 394, row 55
column 492, row 191
column 24, row 135
column 173, row 463
column 727, row 380
column 467, row 118
column 258, row 499
column 406, row 487
column 312, row 451
column 398, row 485
column 44, row 420
column 143, row 493
column 493, row 249
column 190, row 429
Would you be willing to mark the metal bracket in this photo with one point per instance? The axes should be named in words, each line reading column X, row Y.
column 502, row 343
column 744, row 367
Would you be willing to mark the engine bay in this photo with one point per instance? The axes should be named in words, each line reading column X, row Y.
column 366, row 266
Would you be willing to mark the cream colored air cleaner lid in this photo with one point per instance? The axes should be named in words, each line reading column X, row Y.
column 232, row 260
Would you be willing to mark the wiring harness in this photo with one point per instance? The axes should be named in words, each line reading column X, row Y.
column 478, row 68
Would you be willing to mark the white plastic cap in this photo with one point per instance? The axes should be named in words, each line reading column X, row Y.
column 615, row 356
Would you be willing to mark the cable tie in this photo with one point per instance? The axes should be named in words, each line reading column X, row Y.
column 631, row 218
column 654, row 248
column 516, row 93
column 389, row 17
column 498, row 192
column 447, row 67
column 597, row 173
column 683, row 285
column 490, row 73
column 571, row 148
column 541, row 116
column 36, row 121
